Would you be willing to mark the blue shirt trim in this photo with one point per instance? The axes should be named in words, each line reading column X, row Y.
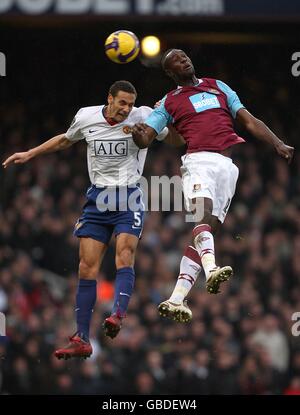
column 233, row 101
column 159, row 117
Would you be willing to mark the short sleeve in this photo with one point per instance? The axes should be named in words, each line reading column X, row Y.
column 74, row 132
column 159, row 118
column 233, row 101
column 146, row 111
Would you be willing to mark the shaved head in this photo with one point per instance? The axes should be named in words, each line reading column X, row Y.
column 166, row 56
column 178, row 66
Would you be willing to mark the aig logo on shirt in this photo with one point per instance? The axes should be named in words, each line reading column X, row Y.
column 111, row 148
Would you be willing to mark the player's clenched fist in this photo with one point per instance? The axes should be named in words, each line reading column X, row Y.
column 139, row 135
column 17, row 158
column 139, row 128
column 285, row 151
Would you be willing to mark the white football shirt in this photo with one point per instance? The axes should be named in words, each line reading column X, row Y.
column 113, row 158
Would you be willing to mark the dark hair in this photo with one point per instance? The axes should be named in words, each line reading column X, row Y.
column 124, row 86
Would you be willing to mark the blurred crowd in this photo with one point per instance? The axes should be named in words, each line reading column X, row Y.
column 239, row 342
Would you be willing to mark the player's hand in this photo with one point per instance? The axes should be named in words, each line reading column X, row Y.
column 17, row 158
column 143, row 135
column 139, row 129
column 285, row 151
column 157, row 104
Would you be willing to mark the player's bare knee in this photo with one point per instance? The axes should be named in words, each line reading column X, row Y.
column 125, row 257
column 87, row 270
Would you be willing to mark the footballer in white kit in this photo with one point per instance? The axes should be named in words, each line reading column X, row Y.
column 115, row 164
column 114, row 161
column 112, row 156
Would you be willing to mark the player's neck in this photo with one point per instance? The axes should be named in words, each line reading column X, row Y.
column 188, row 82
column 106, row 115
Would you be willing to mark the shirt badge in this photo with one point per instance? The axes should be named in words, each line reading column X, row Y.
column 214, row 91
column 127, row 129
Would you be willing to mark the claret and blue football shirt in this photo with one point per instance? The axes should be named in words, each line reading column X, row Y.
column 203, row 114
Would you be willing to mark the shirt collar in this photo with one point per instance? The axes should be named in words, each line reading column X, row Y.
column 199, row 82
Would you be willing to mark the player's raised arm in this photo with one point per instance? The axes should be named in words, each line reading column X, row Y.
column 144, row 133
column 259, row 130
column 143, row 136
column 59, row 142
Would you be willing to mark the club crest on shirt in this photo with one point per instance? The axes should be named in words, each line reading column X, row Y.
column 214, row 91
column 127, row 129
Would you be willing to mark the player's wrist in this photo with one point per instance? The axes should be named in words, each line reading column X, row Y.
column 31, row 153
column 278, row 144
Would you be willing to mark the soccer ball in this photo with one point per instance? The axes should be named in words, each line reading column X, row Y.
column 122, row 46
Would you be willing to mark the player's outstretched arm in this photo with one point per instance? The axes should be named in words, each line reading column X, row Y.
column 59, row 142
column 259, row 130
column 143, row 135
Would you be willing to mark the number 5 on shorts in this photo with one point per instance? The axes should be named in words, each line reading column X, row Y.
column 137, row 220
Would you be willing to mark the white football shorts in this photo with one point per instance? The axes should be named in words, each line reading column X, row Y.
column 211, row 175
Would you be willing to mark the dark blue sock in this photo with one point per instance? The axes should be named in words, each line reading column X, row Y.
column 85, row 301
column 123, row 289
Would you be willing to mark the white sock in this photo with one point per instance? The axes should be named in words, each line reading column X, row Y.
column 189, row 269
column 204, row 243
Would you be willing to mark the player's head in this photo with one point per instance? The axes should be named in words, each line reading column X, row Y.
column 177, row 65
column 121, row 99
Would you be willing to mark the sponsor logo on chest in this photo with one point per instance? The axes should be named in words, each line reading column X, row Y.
column 204, row 101
column 111, row 148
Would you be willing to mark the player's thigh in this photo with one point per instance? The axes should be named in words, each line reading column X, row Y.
column 215, row 224
column 126, row 245
column 199, row 181
column 226, row 190
column 91, row 253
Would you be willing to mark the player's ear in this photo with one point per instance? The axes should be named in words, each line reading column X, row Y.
column 168, row 73
column 110, row 98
